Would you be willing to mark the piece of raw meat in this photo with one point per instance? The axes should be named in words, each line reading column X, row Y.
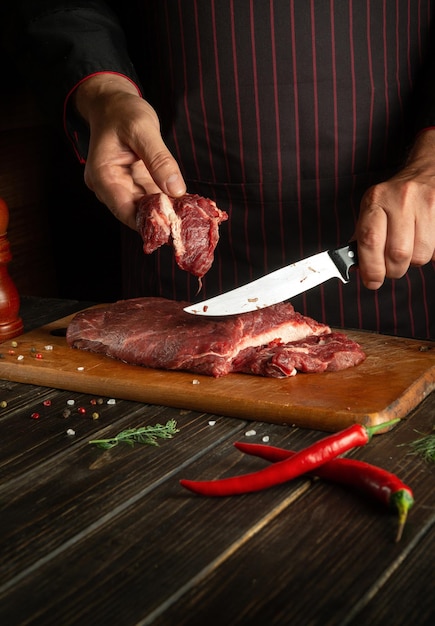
column 330, row 352
column 190, row 224
column 157, row 333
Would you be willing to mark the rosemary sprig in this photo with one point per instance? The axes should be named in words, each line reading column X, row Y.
column 144, row 434
column 425, row 447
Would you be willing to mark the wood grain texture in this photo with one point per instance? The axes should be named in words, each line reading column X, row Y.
column 113, row 538
column 396, row 376
column 330, row 539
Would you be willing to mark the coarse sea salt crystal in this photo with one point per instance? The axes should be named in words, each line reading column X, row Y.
column 81, row 368
column 212, row 422
column 265, row 439
column 250, row 433
column 195, row 381
column 70, row 432
column 111, row 401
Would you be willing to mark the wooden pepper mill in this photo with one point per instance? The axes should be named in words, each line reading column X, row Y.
column 11, row 324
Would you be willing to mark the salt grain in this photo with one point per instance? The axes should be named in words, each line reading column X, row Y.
column 80, row 369
column 195, row 381
column 250, row 433
column 212, row 422
column 265, row 439
column 20, row 357
column 71, row 402
column 48, row 347
column 70, row 432
column 111, row 401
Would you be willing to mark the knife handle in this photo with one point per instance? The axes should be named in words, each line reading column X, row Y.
column 345, row 258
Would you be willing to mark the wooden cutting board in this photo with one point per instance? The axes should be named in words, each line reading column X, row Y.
column 396, row 376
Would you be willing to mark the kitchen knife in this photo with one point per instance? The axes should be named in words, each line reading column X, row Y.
column 281, row 284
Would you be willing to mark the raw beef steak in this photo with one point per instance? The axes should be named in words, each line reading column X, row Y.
column 317, row 353
column 155, row 332
column 190, row 224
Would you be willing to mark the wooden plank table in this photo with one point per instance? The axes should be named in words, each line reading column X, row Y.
column 98, row 537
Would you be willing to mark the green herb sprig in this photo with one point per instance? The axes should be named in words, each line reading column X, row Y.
column 425, row 447
column 144, row 434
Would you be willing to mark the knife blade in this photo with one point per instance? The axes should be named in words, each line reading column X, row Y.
column 282, row 284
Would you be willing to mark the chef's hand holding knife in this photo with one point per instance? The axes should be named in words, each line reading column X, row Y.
column 396, row 225
column 128, row 157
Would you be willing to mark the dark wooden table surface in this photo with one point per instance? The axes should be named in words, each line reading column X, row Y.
column 110, row 537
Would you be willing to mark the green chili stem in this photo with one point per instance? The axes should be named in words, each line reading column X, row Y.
column 402, row 500
column 372, row 430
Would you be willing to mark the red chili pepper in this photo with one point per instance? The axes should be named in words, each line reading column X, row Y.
column 373, row 480
column 302, row 462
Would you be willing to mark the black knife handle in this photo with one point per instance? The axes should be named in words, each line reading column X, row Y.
column 345, row 258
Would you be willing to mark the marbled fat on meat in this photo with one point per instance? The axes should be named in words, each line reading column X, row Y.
column 157, row 333
column 190, row 224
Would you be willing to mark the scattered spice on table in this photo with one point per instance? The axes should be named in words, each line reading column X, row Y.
column 144, row 434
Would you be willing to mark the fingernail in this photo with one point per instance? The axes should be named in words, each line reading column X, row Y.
column 175, row 185
column 373, row 285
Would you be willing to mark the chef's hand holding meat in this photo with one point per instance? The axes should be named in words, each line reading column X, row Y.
column 127, row 156
column 396, row 226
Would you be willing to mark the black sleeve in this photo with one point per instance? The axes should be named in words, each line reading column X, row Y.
column 55, row 44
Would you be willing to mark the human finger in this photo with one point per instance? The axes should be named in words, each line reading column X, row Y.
column 371, row 236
